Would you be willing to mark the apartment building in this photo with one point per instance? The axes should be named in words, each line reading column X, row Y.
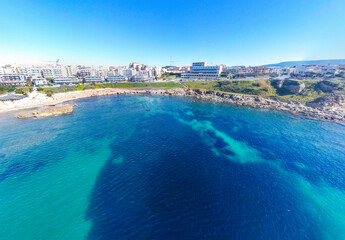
column 129, row 73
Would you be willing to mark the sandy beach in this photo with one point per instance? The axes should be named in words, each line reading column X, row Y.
column 36, row 99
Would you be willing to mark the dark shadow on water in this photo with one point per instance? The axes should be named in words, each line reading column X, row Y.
column 170, row 185
column 15, row 168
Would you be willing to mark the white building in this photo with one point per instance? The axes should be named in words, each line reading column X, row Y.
column 93, row 79
column 157, row 71
column 102, row 71
column 329, row 69
column 12, row 80
column 35, row 72
column 201, row 70
column 116, row 78
column 117, row 71
column 24, row 71
column 301, row 69
column 63, row 80
column 138, row 78
column 135, row 65
column 129, row 73
column 70, row 70
column 54, row 72
column 83, row 71
column 8, row 69
column 39, row 81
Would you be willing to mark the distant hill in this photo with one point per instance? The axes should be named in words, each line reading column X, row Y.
column 169, row 67
column 311, row 62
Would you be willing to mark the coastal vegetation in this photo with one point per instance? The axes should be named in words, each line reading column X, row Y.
column 17, row 90
column 6, row 89
column 269, row 88
column 261, row 88
column 67, row 88
column 24, row 90
column 302, row 91
column 169, row 76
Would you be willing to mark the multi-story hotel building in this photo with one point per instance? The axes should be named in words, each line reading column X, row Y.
column 63, row 80
column 35, row 72
column 12, row 80
column 93, row 79
column 201, row 70
column 54, row 72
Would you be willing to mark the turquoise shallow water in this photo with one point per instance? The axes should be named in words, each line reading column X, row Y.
column 151, row 167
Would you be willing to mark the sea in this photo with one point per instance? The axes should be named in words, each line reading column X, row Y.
column 157, row 167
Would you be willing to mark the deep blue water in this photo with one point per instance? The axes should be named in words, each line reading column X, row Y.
column 151, row 167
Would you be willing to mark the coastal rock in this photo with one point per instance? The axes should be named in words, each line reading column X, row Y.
column 46, row 112
column 327, row 86
column 198, row 91
column 309, row 110
column 331, row 100
column 288, row 86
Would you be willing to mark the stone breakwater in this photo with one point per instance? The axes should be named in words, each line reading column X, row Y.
column 330, row 107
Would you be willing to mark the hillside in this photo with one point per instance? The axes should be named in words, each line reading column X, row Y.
column 311, row 62
column 302, row 91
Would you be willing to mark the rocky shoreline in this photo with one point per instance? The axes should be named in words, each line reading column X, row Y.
column 328, row 108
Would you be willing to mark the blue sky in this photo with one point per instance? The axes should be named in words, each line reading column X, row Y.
column 232, row 32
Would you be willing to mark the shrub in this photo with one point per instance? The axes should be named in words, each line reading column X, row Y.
column 19, row 91
column 266, row 88
column 5, row 89
column 261, row 83
column 26, row 90
column 49, row 93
